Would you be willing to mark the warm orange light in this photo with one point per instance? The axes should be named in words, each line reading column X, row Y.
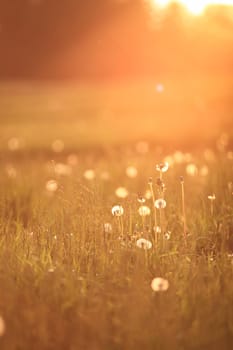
column 196, row 7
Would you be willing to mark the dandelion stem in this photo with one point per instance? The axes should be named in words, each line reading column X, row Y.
column 161, row 220
column 146, row 258
column 120, row 222
column 155, row 219
column 212, row 208
column 143, row 223
column 183, row 211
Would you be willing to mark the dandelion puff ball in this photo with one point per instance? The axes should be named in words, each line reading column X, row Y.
column 157, row 229
column 159, row 284
column 51, row 186
column 117, row 210
column 212, row 197
column 107, row 227
column 167, row 235
column 143, row 244
column 163, row 167
column 144, row 210
column 160, row 203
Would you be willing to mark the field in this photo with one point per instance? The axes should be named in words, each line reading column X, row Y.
column 75, row 276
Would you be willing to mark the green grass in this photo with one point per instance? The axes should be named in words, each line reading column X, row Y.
column 64, row 282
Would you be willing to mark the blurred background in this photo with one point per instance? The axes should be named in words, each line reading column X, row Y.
column 115, row 71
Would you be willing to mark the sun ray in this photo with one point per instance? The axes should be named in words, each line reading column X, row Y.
column 196, row 7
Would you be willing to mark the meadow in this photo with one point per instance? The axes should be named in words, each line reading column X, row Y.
column 76, row 271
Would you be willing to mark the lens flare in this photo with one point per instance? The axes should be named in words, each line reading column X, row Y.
column 196, row 7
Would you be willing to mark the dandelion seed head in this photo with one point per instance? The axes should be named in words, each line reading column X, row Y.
column 143, row 244
column 163, row 167
column 144, row 210
column 51, row 186
column 117, row 210
column 167, row 235
column 141, row 200
column 121, row 192
column 212, row 197
column 160, row 203
column 131, row 172
column 159, row 284
column 107, row 228
column 157, row 229
column 89, row 174
column 169, row 159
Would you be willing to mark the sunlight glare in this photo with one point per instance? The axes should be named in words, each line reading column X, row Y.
column 196, row 7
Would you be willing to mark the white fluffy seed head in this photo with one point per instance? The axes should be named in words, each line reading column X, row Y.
column 163, row 167
column 117, row 210
column 212, row 197
column 143, row 244
column 144, row 210
column 51, row 186
column 160, row 203
column 107, row 227
column 159, row 284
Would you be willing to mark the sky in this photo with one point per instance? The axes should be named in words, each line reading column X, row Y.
column 111, row 39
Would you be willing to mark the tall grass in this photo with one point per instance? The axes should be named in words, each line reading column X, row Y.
column 67, row 283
